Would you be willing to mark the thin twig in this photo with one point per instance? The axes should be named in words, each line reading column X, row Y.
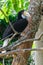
column 20, row 50
column 25, row 40
column 3, row 48
column 6, row 37
column 3, row 62
column 18, row 42
column 13, row 36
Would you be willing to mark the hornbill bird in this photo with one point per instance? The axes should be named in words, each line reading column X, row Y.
column 19, row 25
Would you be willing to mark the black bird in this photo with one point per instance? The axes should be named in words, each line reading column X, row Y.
column 19, row 25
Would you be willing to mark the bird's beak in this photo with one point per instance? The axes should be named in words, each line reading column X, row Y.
column 26, row 14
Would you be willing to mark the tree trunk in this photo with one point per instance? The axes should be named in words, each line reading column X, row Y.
column 39, row 54
column 22, row 57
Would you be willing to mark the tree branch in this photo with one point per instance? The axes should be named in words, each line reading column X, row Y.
column 19, row 50
column 19, row 42
column 25, row 40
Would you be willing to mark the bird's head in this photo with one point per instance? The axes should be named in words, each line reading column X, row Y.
column 23, row 14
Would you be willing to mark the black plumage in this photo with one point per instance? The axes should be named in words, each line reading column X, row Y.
column 19, row 15
column 19, row 25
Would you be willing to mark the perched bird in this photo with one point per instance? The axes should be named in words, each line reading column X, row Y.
column 19, row 25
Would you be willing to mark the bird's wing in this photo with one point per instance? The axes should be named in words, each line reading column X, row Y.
column 20, row 25
column 7, row 31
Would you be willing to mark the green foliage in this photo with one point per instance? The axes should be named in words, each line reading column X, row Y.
column 12, row 18
column 1, row 42
column 30, row 61
column 9, row 6
column 7, row 61
column 1, row 64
